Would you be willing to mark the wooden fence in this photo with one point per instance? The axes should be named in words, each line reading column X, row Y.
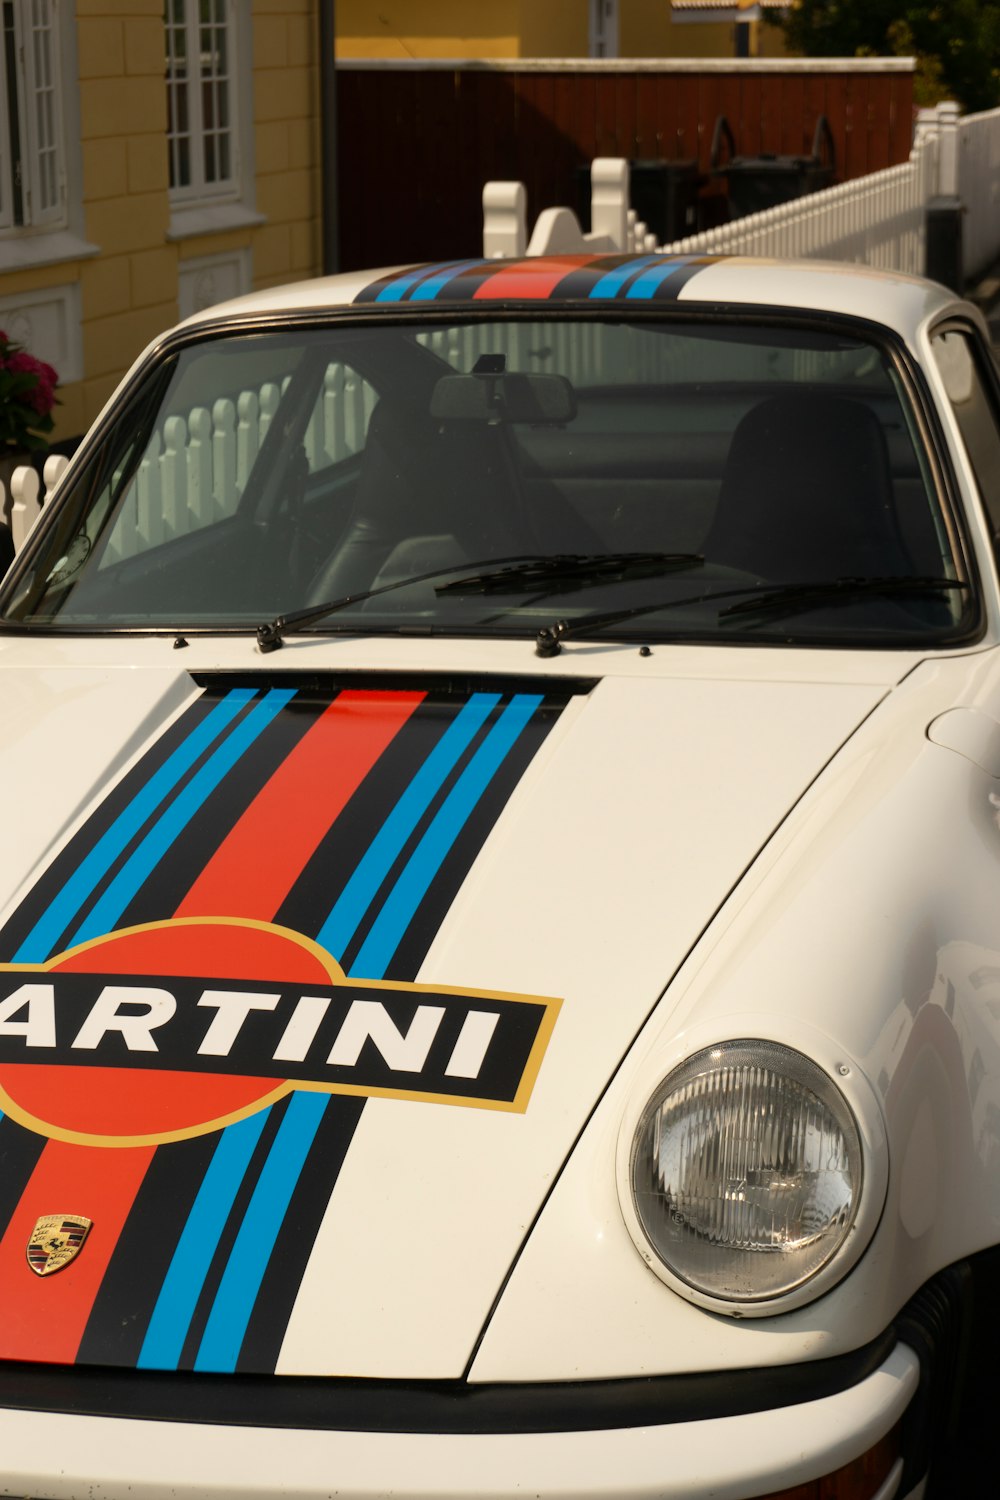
column 417, row 140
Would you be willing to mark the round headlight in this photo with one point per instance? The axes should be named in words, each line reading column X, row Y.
column 746, row 1171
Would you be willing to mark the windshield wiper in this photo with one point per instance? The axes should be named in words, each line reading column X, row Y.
column 780, row 598
column 573, row 569
column 272, row 632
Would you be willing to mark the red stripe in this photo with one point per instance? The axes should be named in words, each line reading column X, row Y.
column 43, row 1318
column 528, row 280
column 255, row 867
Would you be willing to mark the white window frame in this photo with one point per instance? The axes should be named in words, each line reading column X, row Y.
column 35, row 93
column 194, row 81
column 55, row 231
column 200, row 206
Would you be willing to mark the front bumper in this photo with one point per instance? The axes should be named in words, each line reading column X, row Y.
column 67, row 1456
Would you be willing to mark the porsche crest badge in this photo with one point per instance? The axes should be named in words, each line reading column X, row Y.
column 56, row 1240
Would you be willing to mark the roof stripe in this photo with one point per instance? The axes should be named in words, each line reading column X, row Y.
column 428, row 289
column 545, row 278
column 532, row 279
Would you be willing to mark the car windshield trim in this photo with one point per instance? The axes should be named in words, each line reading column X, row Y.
column 643, row 455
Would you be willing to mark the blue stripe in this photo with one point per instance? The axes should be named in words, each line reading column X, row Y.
column 176, row 817
column 397, row 290
column 397, row 912
column 611, row 283
column 185, row 1278
column 427, row 290
column 43, row 937
column 361, row 889
column 227, row 1323
column 650, row 281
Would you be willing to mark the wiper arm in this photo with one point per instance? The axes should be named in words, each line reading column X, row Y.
column 575, row 569
column 272, row 632
column 786, row 597
column 549, row 639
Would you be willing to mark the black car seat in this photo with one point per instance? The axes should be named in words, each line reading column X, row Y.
column 807, row 494
column 442, row 490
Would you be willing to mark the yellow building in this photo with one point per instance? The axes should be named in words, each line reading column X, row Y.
column 555, row 28
column 154, row 158
column 157, row 156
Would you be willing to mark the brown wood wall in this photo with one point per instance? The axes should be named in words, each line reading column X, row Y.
column 417, row 145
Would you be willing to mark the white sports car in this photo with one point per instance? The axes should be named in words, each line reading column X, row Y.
column 500, row 898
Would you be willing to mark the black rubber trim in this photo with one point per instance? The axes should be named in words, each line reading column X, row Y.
column 430, row 1406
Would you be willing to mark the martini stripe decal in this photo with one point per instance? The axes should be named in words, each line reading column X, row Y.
column 227, row 1324
column 615, row 281
column 19, row 1152
column 45, row 1319
column 601, row 278
column 342, row 923
column 123, row 1308
column 427, row 290
column 282, row 1277
column 649, row 280
column 381, row 800
column 104, row 916
column 298, row 805
column 161, row 1349
column 44, row 936
column 399, row 907
column 533, row 280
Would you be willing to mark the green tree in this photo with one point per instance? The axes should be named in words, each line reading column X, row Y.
column 956, row 42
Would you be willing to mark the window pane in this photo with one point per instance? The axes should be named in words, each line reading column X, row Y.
column 969, row 391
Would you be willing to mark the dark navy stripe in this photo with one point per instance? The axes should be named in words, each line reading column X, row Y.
column 19, row 1153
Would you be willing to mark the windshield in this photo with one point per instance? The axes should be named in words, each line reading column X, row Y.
column 635, row 477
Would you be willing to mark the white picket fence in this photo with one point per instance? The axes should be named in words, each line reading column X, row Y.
column 195, row 466
column 978, row 186
column 877, row 220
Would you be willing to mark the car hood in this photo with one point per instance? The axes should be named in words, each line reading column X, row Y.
column 307, row 988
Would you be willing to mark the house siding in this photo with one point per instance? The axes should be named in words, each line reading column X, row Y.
column 129, row 289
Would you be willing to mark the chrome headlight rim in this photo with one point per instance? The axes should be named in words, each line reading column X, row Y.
column 846, row 1077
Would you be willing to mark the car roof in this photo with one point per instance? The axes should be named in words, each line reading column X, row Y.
column 903, row 303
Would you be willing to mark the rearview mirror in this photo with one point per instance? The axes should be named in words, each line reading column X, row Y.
column 504, row 398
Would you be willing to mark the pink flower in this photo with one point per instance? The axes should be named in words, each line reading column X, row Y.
column 41, row 397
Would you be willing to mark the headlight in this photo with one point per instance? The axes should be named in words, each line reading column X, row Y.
column 746, row 1171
